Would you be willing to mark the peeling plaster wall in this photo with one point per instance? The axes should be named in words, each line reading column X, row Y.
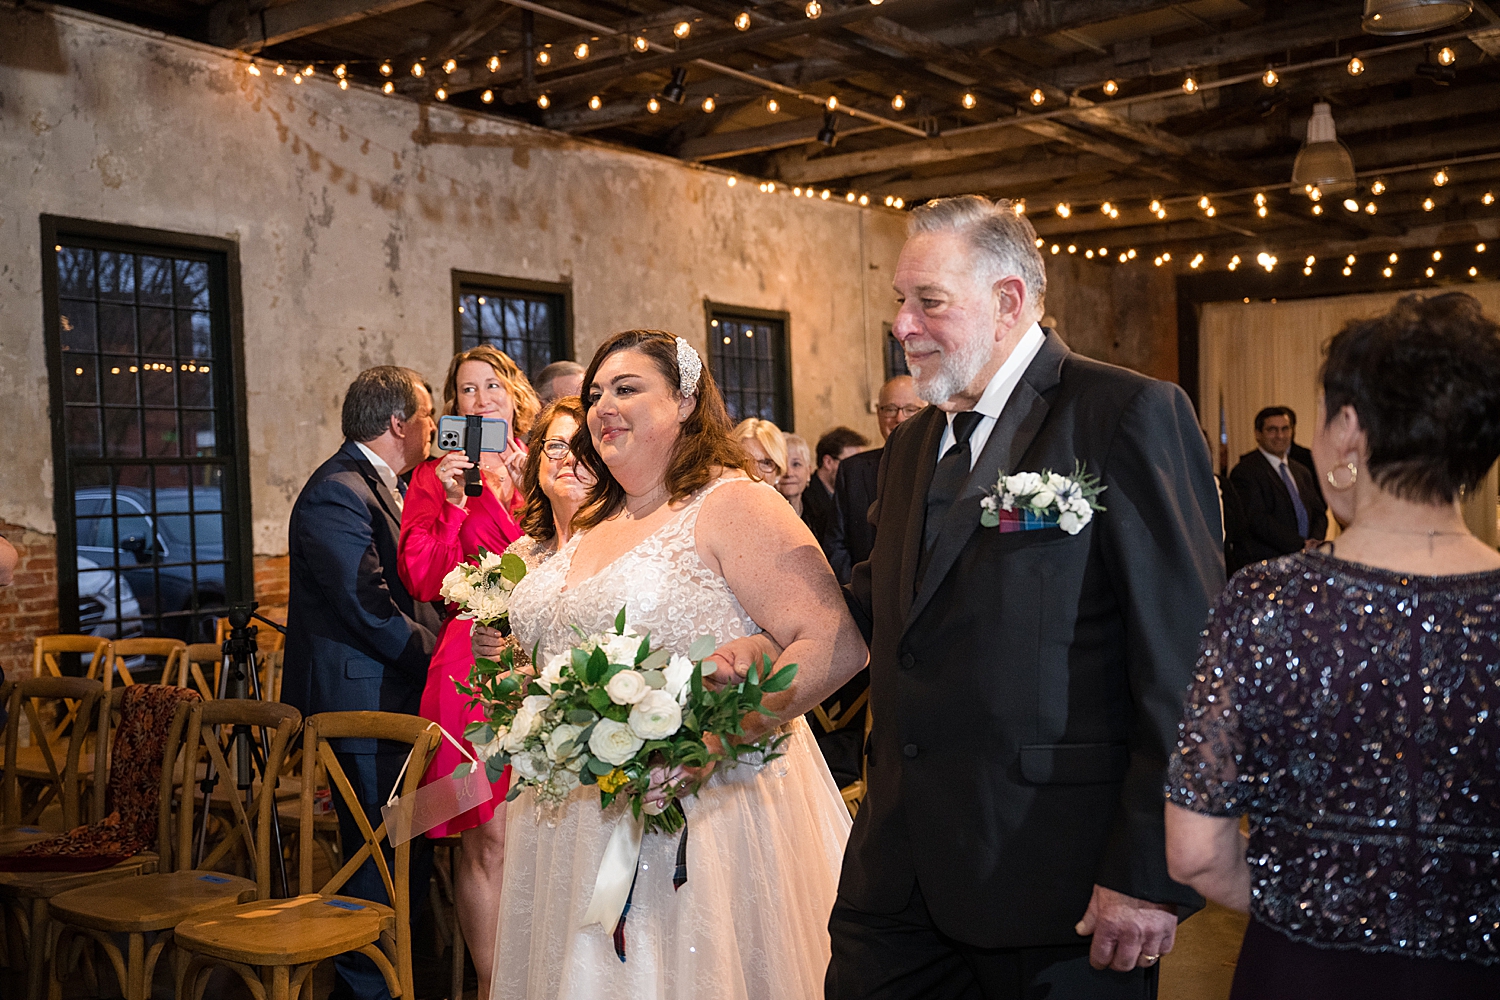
column 1123, row 315
column 351, row 209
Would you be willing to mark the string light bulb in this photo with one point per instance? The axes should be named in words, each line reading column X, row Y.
column 1269, row 77
column 1210, row 211
column 1203, row 202
column 488, row 97
column 1348, row 271
column 1314, row 193
column 1350, row 205
column 1111, row 88
column 1189, row 86
column 1072, row 248
column 898, row 103
column 1386, row 271
column 1310, row 261
column 969, row 100
column 280, row 70
column 253, row 69
column 1262, row 211
column 1105, row 208
column 813, row 10
column 733, row 181
column 1234, row 262
column 682, row 29
column 1349, row 259
column 832, row 104
column 850, row 197
column 1260, row 198
column 900, row 203
column 864, row 199
column 826, row 194
column 1038, row 98
column 581, row 50
column 1488, row 199
column 493, row 65
column 440, row 94
column 1428, row 204
column 1018, row 206
column 450, row 65
column 385, row 69
column 1124, row 256
column 640, row 44
column 344, row 84
column 1155, row 206
column 1089, row 254
column 1446, row 56
column 1130, row 253
column 890, row 200
column 1377, row 188
column 341, row 71
column 709, row 105
column 543, row 57
column 596, row 102
column 1371, row 208
column 1473, row 272
column 544, row 102
column 308, row 69
column 1440, row 178
column 773, row 105
column 653, row 106
column 1063, row 210
column 1393, row 258
column 1356, row 66
column 1196, row 262
column 742, row 20
column 297, row 78
column 417, row 70
column 1479, row 248
column 1317, row 210
column 388, row 87
column 1437, row 255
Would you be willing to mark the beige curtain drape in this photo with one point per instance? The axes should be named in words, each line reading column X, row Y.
column 1259, row 354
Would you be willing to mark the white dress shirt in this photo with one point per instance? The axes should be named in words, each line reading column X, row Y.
column 385, row 472
column 1277, row 462
column 997, row 394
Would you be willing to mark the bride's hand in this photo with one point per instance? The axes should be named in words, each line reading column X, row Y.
column 733, row 659
column 669, row 783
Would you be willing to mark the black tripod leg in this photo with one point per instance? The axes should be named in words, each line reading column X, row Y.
column 265, row 755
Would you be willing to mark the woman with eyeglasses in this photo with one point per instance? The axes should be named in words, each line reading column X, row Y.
column 763, row 442
column 440, row 528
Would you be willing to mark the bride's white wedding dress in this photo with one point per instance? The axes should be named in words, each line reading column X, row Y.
column 764, row 846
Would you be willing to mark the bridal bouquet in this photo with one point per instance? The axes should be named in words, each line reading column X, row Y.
column 482, row 590
column 1031, row 500
column 613, row 711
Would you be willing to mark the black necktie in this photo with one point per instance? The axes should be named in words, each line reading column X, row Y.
column 948, row 478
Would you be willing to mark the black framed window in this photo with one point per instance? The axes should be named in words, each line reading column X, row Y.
column 530, row 321
column 895, row 357
column 747, row 353
column 152, row 505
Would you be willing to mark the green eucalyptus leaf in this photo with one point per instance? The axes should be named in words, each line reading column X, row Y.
column 516, row 788
column 588, row 777
column 599, row 767
column 654, row 679
column 580, row 717
column 656, row 660
column 462, row 770
column 989, row 518
column 702, row 647
column 478, row 732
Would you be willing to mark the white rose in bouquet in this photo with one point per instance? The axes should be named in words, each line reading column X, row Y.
column 563, row 734
column 551, row 674
column 1043, row 499
column 1070, row 522
column 679, row 674
column 613, row 742
column 1023, row 483
column 656, row 716
column 626, row 687
column 621, row 648
column 531, row 766
column 490, row 563
column 527, row 721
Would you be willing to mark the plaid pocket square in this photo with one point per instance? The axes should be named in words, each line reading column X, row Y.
column 1024, row 520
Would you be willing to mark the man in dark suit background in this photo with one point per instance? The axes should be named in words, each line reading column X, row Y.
column 833, row 448
column 355, row 639
column 1026, row 684
column 1281, row 507
column 850, row 534
column 1295, row 451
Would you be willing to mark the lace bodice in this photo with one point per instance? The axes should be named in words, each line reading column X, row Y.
column 663, row 584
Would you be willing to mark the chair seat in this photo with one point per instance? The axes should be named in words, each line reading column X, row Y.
column 45, row 885
column 150, row 902
column 287, row 931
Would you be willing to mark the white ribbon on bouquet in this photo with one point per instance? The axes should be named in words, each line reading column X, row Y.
column 616, row 873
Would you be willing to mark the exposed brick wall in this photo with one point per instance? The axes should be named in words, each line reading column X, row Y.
column 272, row 584
column 28, row 608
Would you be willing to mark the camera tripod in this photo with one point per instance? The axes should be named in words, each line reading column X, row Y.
column 239, row 677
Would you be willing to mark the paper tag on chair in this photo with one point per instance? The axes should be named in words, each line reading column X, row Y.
column 408, row 816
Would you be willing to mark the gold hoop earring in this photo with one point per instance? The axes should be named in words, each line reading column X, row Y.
column 1353, row 475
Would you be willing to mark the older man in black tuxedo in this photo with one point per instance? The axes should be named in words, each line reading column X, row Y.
column 1026, row 684
column 355, row 639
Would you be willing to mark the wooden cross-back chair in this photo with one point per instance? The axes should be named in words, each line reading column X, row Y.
column 47, row 650
column 152, row 905
column 27, row 895
column 67, row 729
column 172, row 652
column 854, row 792
column 198, row 668
column 274, row 948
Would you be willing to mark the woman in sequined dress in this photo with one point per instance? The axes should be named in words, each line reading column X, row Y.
column 1346, row 697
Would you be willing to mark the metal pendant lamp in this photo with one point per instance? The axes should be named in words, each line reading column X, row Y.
column 1410, row 17
column 1323, row 162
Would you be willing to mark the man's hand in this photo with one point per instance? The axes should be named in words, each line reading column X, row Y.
column 487, row 642
column 1128, row 932
column 733, row 659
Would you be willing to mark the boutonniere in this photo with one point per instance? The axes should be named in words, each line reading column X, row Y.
column 1028, row 501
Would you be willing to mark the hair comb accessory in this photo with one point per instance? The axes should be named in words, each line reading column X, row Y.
column 689, row 367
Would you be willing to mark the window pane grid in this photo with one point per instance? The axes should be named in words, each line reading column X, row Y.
column 748, row 359
column 140, row 415
column 527, row 326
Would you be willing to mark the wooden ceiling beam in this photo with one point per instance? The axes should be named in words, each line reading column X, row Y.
column 1039, row 17
column 799, row 170
column 1009, row 177
column 233, row 24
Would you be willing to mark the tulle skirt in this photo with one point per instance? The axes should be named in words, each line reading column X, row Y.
column 751, row 922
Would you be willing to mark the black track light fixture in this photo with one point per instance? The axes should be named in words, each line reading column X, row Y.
column 676, row 91
column 828, row 134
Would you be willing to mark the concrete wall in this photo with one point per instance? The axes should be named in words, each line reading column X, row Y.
column 1124, row 315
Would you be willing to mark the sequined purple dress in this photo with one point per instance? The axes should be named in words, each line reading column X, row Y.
column 1351, row 712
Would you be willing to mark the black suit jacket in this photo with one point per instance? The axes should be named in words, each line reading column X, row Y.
column 850, row 534
column 1269, row 527
column 1300, row 454
column 355, row 639
column 1027, row 696
column 817, row 509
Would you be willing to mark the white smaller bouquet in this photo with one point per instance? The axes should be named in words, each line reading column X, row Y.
column 1029, row 501
column 481, row 590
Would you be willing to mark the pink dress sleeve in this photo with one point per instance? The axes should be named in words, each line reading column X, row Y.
column 436, row 535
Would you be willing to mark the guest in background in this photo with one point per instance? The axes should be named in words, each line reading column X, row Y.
column 1344, row 696
column 355, row 637
column 1279, row 501
column 764, row 443
column 441, row 528
column 850, row 535
column 560, row 378
column 1295, row 451
column 793, row 482
column 833, row 448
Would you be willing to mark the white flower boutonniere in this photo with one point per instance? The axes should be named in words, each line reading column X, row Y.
column 1029, row 501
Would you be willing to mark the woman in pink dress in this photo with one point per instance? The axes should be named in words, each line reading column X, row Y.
column 441, row 527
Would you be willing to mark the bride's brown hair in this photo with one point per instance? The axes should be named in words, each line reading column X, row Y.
column 704, row 446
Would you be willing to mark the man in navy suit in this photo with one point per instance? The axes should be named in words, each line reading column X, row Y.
column 355, row 639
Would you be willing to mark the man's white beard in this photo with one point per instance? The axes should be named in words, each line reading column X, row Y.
column 952, row 373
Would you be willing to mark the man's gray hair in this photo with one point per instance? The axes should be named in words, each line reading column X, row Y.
column 376, row 395
column 1003, row 241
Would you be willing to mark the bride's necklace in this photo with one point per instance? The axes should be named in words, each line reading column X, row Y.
column 645, row 505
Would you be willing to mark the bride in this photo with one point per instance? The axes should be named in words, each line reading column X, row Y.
column 678, row 533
